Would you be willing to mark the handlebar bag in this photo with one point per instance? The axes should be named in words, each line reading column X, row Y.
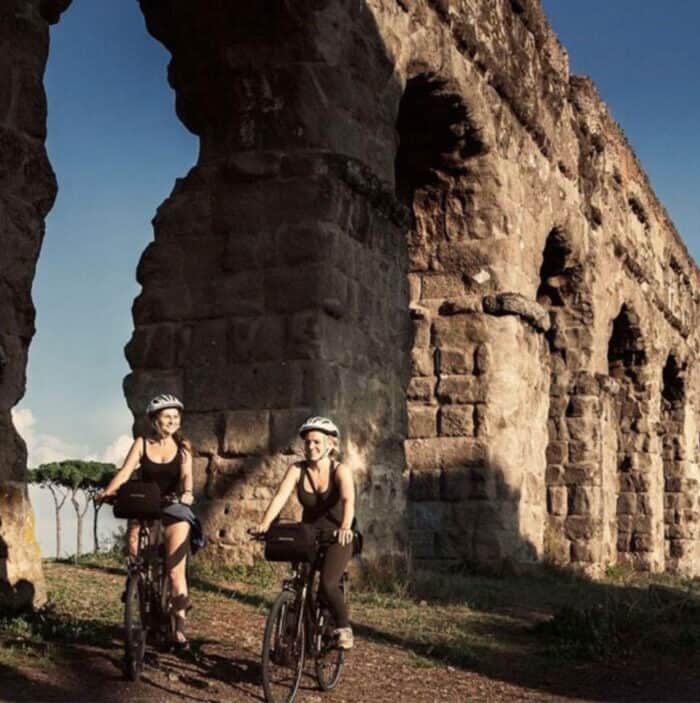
column 138, row 499
column 294, row 542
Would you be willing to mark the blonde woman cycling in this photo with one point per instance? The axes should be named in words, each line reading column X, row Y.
column 327, row 494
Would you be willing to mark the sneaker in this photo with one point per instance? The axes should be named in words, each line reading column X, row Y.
column 344, row 638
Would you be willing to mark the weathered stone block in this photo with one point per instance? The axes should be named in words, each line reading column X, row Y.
column 582, row 429
column 482, row 359
column 422, row 362
column 22, row 583
column 581, row 552
column 458, row 330
column 284, row 425
column 585, row 384
column 461, row 389
column 208, row 343
column 641, row 542
column 421, row 334
column 579, row 527
column 454, row 362
column 481, row 424
column 247, row 432
column 557, row 452
column 583, row 500
column 442, row 286
column 557, row 406
column 444, row 452
column 203, row 430
column 583, row 406
column 554, row 475
column 200, row 475
column 557, row 500
column 424, row 485
column 456, row 484
column 627, row 503
column 457, row 421
column 258, row 339
column 421, row 389
column 557, row 547
column 422, row 421
column 580, row 452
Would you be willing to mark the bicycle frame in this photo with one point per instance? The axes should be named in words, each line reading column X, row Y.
column 149, row 565
column 306, row 602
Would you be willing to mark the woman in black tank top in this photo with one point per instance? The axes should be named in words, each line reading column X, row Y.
column 326, row 492
column 165, row 458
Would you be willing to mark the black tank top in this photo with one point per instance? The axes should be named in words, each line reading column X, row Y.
column 166, row 475
column 320, row 506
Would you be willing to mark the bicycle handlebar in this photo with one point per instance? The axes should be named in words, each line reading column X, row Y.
column 169, row 499
column 325, row 538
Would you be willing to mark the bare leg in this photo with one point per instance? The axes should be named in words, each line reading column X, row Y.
column 176, row 549
column 132, row 537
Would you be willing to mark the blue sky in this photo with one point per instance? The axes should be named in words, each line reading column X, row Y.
column 117, row 147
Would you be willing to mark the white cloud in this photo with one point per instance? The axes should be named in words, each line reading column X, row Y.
column 116, row 452
column 43, row 448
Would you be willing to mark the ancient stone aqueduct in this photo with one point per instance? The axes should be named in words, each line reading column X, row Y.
column 407, row 214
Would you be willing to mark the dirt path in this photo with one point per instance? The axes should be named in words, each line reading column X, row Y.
column 223, row 667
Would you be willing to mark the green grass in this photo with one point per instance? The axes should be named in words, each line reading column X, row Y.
column 260, row 575
column 454, row 618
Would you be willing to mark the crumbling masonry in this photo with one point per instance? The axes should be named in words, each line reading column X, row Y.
column 409, row 215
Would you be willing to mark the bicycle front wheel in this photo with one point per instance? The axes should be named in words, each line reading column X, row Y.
column 134, row 627
column 283, row 650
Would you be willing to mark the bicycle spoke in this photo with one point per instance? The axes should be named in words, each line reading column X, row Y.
column 283, row 652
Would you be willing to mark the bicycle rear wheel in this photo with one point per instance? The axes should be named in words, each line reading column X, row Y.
column 283, row 651
column 329, row 660
column 134, row 627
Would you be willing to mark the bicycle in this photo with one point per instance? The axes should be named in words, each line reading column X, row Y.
column 147, row 612
column 298, row 625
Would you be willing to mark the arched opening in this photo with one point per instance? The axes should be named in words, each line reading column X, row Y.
column 573, row 422
column 678, row 494
column 627, row 364
column 116, row 147
column 437, row 141
column 557, row 271
column 435, row 133
column 626, row 354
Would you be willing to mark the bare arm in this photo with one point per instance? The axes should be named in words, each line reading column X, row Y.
column 186, row 479
column 280, row 498
column 133, row 458
column 343, row 476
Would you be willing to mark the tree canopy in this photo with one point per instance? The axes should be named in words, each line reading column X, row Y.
column 73, row 474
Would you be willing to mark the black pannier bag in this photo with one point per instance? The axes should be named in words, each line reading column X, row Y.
column 138, row 499
column 290, row 541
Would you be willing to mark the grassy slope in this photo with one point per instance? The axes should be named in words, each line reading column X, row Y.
column 459, row 620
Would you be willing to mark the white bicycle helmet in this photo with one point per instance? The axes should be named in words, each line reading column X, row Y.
column 162, row 402
column 322, row 424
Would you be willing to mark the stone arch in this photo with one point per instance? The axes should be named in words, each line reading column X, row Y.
column 678, row 492
column 628, row 365
column 435, row 132
column 573, row 491
column 437, row 140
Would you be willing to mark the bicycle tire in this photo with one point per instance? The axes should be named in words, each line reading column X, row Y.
column 283, row 651
column 330, row 660
column 166, row 618
column 135, row 629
